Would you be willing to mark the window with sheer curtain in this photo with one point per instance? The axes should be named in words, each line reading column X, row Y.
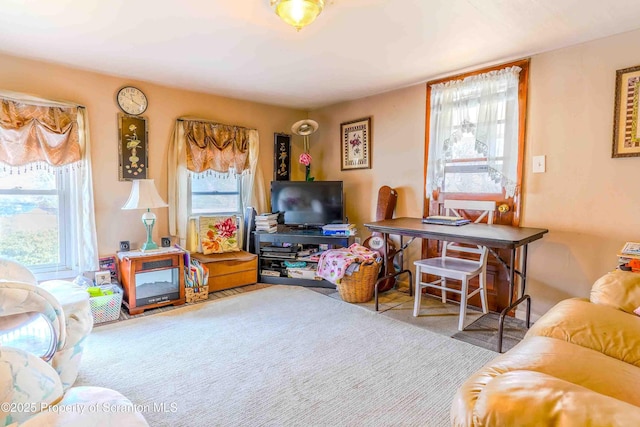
column 473, row 134
column 212, row 171
column 46, row 197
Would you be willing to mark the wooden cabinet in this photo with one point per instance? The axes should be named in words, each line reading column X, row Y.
column 151, row 280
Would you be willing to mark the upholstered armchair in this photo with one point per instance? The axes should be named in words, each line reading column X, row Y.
column 31, row 394
column 63, row 304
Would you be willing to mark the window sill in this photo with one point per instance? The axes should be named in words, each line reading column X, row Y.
column 56, row 275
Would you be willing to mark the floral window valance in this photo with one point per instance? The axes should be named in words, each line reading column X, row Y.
column 216, row 147
column 38, row 134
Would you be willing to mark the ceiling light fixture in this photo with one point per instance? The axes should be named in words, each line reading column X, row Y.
column 298, row 13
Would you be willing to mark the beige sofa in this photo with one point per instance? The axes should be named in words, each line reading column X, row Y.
column 578, row 365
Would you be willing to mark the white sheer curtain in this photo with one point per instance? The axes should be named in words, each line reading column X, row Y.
column 486, row 106
column 180, row 225
column 82, row 230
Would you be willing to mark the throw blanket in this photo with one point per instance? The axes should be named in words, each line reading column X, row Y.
column 334, row 263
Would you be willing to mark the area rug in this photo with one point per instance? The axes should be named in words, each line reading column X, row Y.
column 280, row 356
column 484, row 332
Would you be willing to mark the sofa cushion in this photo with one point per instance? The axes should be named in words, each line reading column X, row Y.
column 526, row 398
column 557, row 358
column 618, row 289
column 598, row 327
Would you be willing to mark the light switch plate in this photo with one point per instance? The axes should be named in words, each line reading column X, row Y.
column 539, row 164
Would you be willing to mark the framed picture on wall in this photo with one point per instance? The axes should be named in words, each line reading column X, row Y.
column 282, row 157
column 355, row 144
column 626, row 133
column 133, row 150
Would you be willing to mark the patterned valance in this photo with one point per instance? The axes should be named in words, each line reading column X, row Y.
column 38, row 134
column 216, row 147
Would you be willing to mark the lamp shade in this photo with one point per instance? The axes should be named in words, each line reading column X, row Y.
column 144, row 196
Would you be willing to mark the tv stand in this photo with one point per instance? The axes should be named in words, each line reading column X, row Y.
column 309, row 238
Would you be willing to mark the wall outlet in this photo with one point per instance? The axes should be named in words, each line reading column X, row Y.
column 539, row 164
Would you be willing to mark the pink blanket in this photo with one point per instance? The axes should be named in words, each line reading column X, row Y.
column 334, row 263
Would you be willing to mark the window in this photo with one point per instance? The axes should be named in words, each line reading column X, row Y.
column 212, row 194
column 46, row 197
column 474, row 134
column 34, row 212
column 466, row 169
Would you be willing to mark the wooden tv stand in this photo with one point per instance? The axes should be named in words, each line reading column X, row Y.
column 165, row 263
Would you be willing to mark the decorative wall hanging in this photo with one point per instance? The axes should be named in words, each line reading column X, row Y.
column 282, row 157
column 626, row 133
column 133, row 149
column 355, row 144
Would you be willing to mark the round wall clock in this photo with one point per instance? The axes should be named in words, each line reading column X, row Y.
column 132, row 100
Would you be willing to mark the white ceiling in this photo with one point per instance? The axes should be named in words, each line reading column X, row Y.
column 356, row 48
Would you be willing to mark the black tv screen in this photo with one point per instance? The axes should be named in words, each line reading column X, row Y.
column 308, row 203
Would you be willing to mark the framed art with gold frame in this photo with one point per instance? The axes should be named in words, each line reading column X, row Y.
column 626, row 133
column 355, row 144
column 133, row 149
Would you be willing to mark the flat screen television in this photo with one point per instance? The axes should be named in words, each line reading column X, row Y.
column 308, row 203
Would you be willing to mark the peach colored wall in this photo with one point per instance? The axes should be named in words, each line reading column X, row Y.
column 397, row 159
column 97, row 92
column 586, row 199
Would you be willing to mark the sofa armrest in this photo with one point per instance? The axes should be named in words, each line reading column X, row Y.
column 618, row 289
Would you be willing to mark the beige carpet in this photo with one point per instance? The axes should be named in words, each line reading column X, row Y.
column 280, row 356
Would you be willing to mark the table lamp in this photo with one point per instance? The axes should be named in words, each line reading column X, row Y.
column 145, row 196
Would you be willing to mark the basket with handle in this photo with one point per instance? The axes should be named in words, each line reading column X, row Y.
column 359, row 286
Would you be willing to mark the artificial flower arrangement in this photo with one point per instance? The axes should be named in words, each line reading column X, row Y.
column 305, row 159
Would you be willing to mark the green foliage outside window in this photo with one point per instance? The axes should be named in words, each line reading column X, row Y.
column 31, row 248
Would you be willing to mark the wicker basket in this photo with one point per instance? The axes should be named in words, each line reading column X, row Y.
column 360, row 285
column 193, row 294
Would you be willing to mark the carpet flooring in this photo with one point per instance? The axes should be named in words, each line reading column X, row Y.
column 280, row 356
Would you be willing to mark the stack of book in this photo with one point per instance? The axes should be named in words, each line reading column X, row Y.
column 629, row 257
column 445, row 220
column 267, row 222
column 339, row 230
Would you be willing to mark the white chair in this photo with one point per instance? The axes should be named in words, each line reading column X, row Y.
column 452, row 267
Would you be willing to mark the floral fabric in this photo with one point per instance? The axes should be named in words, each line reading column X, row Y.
column 218, row 234
column 333, row 263
column 26, row 380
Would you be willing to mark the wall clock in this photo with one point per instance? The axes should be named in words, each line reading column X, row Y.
column 132, row 100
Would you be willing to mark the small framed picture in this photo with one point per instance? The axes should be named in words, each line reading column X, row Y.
column 103, row 278
column 133, row 150
column 355, row 144
column 626, row 132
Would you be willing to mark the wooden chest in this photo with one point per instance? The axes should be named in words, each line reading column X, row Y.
column 230, row 269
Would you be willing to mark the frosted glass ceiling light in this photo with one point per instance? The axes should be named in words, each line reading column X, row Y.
column 298, row 13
